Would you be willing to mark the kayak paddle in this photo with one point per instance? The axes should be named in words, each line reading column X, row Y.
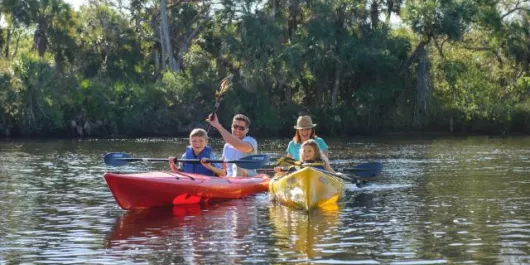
column 359, row 181
column 247, row 162
column 364, row 170
column 219, row 93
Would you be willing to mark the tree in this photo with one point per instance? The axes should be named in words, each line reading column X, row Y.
column 431, row 20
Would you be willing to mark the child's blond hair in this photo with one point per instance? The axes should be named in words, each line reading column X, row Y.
column 198, row 132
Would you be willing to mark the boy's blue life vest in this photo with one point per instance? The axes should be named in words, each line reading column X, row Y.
column 197, row 168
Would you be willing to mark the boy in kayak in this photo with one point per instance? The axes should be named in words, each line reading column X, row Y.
column 238, row 144
column 311, row 154
column 198, row 149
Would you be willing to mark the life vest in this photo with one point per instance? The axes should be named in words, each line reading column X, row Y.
column 320, row 164
column 197, row 168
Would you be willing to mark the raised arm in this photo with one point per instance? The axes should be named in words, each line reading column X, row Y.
column 237, row 143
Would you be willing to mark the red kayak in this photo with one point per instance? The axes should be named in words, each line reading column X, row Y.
column 151, row 189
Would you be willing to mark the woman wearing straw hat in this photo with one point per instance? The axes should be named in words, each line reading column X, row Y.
column 305, row 130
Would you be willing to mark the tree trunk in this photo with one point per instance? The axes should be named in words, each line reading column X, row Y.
column 292, row 23
column 1, row 34
column 167, row 38
column 374, row 14
column 389, row 8
column 163, row 50
column 156, row 58
column 422, row 89
column 158, row 47
column 414, row 54
column 275, row 6
column 186, row 43
column 289, row 94
column 183, row 48
column 16, row 45
column 39, row 37
column 279, row 84
column 336, row 85
column 319, row 99
column 8, row 40
column 59, row 63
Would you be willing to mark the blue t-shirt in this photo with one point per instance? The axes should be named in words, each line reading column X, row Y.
column 293, row 148
column 230, row 153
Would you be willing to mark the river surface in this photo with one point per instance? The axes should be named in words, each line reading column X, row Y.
column 438, row 201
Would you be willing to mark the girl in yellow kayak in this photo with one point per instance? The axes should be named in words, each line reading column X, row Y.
column 312, row 156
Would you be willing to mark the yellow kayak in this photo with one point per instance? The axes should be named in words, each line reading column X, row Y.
column 307, row 188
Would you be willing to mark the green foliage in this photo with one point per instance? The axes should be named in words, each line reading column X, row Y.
column 434, row 18
column 111, row 48
column 8, row 105
column 101, row 71
column 35, row 103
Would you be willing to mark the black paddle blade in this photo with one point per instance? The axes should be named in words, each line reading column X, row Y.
column 365, row 170
column 252, row 162
column 116, row 159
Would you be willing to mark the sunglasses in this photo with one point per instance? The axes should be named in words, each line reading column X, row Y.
column 237, row 127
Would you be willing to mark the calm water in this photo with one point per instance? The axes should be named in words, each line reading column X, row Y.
column 438, row 201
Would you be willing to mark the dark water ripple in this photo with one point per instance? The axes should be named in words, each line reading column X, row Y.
column 438, row 201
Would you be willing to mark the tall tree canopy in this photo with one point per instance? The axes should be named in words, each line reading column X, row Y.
column 151, row 67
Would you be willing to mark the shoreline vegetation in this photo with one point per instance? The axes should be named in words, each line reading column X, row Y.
column 213, row 134
column 151, row 68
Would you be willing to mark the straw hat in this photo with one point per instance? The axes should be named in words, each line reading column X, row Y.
column 304, row 122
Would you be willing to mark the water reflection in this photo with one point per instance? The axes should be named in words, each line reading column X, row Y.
column 305, row 235
column 149, row 223
column 192, row 234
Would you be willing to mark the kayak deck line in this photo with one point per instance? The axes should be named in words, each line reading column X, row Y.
column 181, row 173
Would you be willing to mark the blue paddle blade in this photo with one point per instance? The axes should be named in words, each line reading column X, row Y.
column 115, row 159
column 252, row 162
column 368, row 170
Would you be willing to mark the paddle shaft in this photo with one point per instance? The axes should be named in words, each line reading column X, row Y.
column 364, row 170
column 133, row 159
column 343, row 176
column 370, row 166
column 248, row 162
column 271, row 170
column 214, row 111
